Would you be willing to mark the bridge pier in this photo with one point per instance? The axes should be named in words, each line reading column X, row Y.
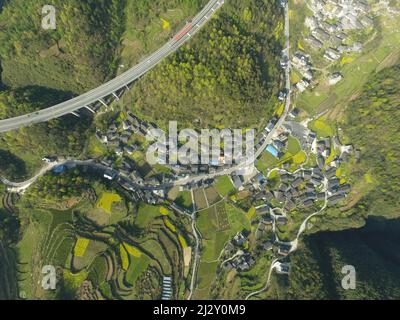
column 75, row 114
column 116, row 97
column 90, row 109
column 103, row 103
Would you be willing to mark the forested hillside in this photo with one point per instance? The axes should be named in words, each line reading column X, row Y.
column 14, row 102
column 372, row 250
column 371, row 125
column 11, row 165
column 149, row 24
column 226, row 76
column 21, row 150
column 26, row 146
column 80, row 54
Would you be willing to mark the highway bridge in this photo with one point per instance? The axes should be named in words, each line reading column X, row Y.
column 122, row 81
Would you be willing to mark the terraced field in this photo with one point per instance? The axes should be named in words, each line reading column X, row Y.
column 217, row 225
column 123, row 257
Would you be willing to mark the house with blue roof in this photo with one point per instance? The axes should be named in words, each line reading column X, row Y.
column 272, row 150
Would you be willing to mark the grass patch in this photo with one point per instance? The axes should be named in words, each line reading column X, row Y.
column 137, row 266
column 250, row 214
column 80, row 247
column 299, row 158
column 184, row 199
column 74, row 280
column 146, row 214
column 321, row 128
column 106, row 201
column 169, row 224
column 124, row 257
column 224, row 186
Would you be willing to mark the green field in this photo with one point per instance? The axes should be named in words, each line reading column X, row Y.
column 184, row 199
column 205, row 278
column 158, row 253
column 321, row 128
column 217, row 224
column 136, row 267
column 46, row 238
column 146, row 214
column 224, row 186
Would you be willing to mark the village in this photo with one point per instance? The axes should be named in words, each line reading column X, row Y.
column 274, row 194
column 333, row 30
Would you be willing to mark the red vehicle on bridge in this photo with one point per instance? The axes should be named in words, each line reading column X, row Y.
column 183, row 32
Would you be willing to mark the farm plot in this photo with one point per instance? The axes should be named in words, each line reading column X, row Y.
column 212, row 195
column 109, row 209
column 224, row 186
column 217, row 225
column 205, row 279
column 200, row 199
column 137, row 266
column 98, row 271
column 222, row 217
column 47, row 240
column 184, row 200
column 146, row 215
column 158, row 253
column 85, row 252
column 107, row 200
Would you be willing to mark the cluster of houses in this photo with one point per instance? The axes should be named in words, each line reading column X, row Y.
column 242, row 260
column 305, row 136
column 302, row 189
column 329, row 31
column 265, row 224
column 265, row 231
column 306, row 185
column 264, row 134
column 118, row 139
column 302, row 62
column 331, row 20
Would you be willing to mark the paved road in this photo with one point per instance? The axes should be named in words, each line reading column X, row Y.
column 18, row 187
column 270, row 136
column 119, row 82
